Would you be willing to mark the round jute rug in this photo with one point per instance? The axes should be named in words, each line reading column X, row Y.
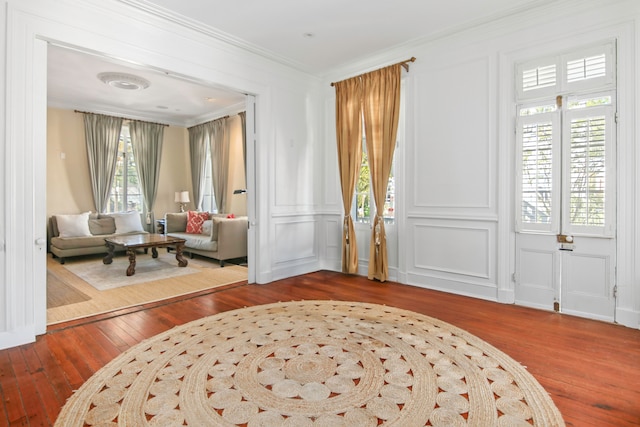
column 312, row 363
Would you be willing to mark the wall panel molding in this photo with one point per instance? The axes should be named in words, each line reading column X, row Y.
column 459, row 250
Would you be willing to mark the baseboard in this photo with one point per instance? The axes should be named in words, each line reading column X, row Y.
column 629, row 318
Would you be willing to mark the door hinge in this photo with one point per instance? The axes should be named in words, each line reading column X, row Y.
column 514, row 277
column 615, row 117
column 615, row 291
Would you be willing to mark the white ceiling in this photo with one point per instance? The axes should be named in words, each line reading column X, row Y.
column 315, row 36
column 343, row 30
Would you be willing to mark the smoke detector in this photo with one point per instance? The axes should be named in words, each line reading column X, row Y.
column 124, row 81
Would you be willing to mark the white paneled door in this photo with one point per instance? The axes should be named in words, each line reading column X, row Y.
column 565, row 180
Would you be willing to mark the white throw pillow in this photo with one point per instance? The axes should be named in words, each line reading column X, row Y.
column 206, row 227
column 127, row 222
column 76, row 225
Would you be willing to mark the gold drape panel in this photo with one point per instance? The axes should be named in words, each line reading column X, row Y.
column 349, row 137
column 381, row 94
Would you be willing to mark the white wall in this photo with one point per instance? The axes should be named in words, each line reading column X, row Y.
column 286, row 136
column 455, row 192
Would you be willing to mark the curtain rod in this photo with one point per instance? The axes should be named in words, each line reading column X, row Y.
column 118, row 117
column 403, row 63
column 219, row 118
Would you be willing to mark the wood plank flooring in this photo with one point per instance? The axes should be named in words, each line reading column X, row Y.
column 591, row 369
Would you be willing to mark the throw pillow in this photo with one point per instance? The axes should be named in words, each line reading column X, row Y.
column 101, row 226
column 73, row 225
column 127, row 222
column 231, row 215
column 206, row 227
column 195, row 221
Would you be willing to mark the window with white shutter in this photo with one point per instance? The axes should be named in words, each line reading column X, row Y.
column 565, row 152
column 538, row 133
column 539, row 77
column 589, row 162
column 590, row 68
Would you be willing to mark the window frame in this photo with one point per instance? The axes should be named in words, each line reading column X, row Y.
column 608, row 112
column 561, row 121
column 127, row 154
column 208, row 196
column 372, row 206
column 555, row 118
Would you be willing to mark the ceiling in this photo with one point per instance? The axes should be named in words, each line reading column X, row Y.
column 315, row 36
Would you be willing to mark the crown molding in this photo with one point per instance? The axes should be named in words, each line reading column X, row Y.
column 215, row 33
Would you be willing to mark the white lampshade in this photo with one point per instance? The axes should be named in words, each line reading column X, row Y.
column 182, row 197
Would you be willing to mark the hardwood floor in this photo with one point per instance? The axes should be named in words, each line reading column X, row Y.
column 591, row 369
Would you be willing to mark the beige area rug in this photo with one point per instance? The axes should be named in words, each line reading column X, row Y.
column 110, row 276
column 312, row 363
column 202, row 274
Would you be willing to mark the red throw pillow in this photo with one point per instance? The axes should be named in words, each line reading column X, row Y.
column 231, row 216
column 195, row 221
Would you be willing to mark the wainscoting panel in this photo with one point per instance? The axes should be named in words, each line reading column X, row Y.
column 295, row 241
column 453, row 255
column 453, row 249
column 454, row 153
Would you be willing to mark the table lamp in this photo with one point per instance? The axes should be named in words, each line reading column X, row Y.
column 182, row 197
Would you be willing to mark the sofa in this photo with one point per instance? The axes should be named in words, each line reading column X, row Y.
column 218, row 236
column 84, row 234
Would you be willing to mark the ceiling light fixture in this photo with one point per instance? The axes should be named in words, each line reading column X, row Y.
column 124, row 81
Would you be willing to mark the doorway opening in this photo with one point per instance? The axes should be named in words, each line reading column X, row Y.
column 70, row 71
column 566, row 182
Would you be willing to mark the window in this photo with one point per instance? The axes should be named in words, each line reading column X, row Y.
column 125, row 188
column 588, row 69
column 565, row 148
column 364, row 205
column 208, row 198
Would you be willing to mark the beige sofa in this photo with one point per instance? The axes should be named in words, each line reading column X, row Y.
column 84, row 234
column 222, row 238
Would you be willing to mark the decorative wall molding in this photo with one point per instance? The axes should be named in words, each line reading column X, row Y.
column 454, row 249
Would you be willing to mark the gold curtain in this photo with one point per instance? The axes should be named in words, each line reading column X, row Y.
column 349, row 137
column 381, row 98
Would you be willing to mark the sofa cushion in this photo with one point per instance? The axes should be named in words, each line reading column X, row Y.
column 195, row 220
column 77, row 242
column 197, row 241
column 66, row 243
column 127, row 222
column 175, row 222
column 99, row 226
column 75, row 225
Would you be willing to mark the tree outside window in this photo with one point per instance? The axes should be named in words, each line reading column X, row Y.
column 364, row 204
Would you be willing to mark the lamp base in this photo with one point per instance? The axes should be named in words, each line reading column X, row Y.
column 182, row 207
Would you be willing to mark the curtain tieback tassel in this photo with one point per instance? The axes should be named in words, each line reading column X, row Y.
column 377, row 237
column 345, row 227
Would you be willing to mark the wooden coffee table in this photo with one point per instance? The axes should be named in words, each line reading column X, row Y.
column 143, row 241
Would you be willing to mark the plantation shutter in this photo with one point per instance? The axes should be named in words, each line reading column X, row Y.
column 589, row 165
column 538, row 169
column 590, row 68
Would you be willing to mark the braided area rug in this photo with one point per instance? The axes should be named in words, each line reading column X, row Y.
column 312, row 363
